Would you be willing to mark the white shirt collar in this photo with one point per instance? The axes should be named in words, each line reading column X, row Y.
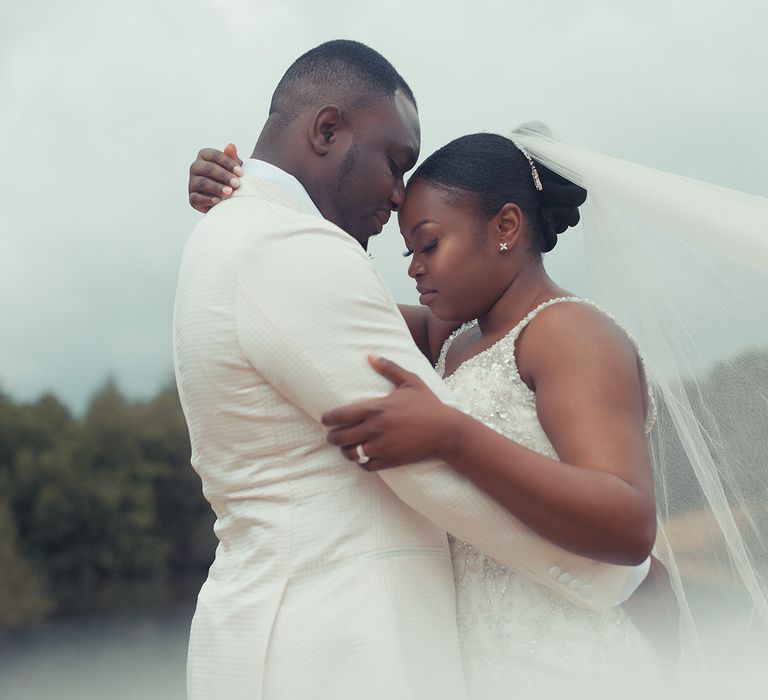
column 284, row 180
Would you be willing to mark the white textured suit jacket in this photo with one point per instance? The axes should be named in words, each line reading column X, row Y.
column 328, row 582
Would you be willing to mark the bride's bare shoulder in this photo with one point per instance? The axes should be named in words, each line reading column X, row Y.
column 574, row 334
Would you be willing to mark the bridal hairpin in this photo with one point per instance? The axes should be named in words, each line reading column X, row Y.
column 534, row 172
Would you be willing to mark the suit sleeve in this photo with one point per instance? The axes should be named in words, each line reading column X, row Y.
column 310, row 308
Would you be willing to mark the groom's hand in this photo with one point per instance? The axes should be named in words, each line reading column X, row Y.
column 407, row 426
column 213, row 176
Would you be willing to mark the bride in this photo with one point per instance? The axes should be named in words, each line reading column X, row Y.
column 560, row 406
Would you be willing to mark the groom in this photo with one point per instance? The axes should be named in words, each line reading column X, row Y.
column 329, row 581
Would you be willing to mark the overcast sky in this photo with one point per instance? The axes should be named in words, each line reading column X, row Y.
column 103, row 105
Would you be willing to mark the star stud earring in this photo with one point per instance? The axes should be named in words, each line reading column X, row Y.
column 503, row 246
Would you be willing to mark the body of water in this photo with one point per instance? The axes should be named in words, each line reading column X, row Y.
column 114, row 657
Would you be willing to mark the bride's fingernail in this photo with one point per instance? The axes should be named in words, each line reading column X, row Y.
column 238, row 170
column 215, row 200
column 234, row 182
column 226, row 191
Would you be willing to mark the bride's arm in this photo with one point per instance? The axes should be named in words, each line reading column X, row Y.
column 428, row 332
column 597, row 499
column 417, row 320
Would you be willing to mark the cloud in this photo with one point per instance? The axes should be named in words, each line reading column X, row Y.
column 105, row 105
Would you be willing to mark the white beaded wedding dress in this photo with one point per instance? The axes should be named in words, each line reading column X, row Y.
column 520, row 639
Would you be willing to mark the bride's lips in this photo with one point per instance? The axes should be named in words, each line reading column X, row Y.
column 425, row 294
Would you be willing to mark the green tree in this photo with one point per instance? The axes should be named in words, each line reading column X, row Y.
column 22, row 596
column 184, row 518
column 102, row 506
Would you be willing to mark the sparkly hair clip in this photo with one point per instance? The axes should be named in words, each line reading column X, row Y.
column 534, row 172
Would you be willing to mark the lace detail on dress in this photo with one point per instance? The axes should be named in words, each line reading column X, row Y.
column 510, row 339
column 440, row 366
column 520, row 639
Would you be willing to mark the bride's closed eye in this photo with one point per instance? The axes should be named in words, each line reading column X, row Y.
column 426, row 249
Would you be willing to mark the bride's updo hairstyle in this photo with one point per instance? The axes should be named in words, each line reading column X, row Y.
column 492, row 171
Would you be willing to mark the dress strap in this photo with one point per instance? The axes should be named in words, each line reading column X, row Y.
column 652, row 411
column 512, row 336
column 440, row 366
column 518, row 329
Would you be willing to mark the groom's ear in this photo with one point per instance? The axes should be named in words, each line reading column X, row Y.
column 324, row 129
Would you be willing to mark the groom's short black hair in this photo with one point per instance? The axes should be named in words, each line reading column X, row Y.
column 339, row 70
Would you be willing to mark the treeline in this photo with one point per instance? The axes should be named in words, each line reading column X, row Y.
column 104, row 510
column 730, row 402
column 100, row 511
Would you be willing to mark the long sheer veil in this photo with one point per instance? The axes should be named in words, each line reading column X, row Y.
column 684, row 266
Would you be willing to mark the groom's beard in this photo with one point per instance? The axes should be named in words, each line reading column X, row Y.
column 341, row 208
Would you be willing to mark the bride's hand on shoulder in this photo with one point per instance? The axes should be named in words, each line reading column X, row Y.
column 213, row 176
column 408, row 425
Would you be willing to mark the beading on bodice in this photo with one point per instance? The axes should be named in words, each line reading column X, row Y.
column 514, row 630
column 491, row 388
column 496, row 395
